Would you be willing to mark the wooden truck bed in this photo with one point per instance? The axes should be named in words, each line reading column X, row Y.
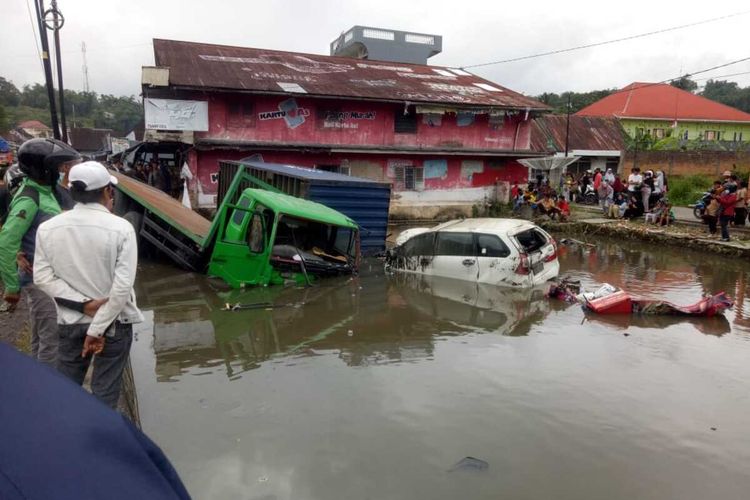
column 181, row 218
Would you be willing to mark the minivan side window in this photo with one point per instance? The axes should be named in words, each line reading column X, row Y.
column 449, row 243
column 489, row 245
column 531, row 240
column 421, row 244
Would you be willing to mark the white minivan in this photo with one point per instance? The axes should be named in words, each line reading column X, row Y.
column 505, row 252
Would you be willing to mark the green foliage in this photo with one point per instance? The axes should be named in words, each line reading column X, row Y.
column 684, row 190
column 9, row 94
column 684, row 83
column 4, row 119
column 578, row 100
column 82, row 109
column 728, row 93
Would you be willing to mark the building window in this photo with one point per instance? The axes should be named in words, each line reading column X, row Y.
column 613, row 163
column 240, row 114
column 738, row 137
column 640, row 132
column 685, row 135
column 409, row 177
column 659, row 133
column 710, row 135
column 405, row 123
column 337, row 169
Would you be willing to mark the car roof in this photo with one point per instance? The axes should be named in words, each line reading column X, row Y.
column 486, row 224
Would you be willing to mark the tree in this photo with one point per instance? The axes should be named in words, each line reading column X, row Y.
column 728, row 93
column 9, row 94
column 684, row 83
column 4, row 119
column 35, row 96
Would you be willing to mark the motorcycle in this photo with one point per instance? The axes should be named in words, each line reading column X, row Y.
column 699, row 207
column 587, row 197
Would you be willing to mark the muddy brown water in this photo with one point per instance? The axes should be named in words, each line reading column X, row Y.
column 377, row 387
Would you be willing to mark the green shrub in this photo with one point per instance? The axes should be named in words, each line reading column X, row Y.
column 684, row 190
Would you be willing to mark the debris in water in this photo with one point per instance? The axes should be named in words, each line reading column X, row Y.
column 626, row 334
column 470, row 464
column 262, row 479
column 713, row 428
column 350, row 333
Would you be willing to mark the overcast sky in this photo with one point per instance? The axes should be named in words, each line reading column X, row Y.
column 118, row 36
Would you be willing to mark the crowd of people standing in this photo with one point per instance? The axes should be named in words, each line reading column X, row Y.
column 641, row 195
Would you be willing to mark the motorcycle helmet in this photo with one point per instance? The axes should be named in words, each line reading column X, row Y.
column 13, row 178
column 40, row 159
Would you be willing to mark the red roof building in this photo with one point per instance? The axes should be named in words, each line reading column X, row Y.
column 422, row 128
column 655, row 108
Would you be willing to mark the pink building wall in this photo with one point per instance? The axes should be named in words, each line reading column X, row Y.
column 247, row 125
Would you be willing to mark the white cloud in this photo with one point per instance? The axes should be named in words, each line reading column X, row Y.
column 118, row 36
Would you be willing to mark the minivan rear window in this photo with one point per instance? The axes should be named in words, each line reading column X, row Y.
column 489, row 245
column 449, row 243
column 531, row 240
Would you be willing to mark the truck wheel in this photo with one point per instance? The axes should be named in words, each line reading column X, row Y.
column 136, row 220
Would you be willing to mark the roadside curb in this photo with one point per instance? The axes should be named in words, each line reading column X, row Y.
column 617, row 228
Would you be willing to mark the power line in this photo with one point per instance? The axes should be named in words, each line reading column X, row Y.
column 720, row 76
column 597, row 44
column 33, row 32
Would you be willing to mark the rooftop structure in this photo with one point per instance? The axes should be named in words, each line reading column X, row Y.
column 378, row 44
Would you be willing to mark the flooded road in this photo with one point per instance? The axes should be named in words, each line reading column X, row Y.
column 375, row 387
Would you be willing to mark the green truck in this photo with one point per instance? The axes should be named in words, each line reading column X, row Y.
column 259, row 235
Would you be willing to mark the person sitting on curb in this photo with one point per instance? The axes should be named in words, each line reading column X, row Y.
column 667, row 214
column 547, row 207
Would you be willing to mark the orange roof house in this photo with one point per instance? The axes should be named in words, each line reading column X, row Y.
column 659, row 110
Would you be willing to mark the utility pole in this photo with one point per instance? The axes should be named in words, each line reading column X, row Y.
column 57, row 23
column 39, row 5
column 567, row 126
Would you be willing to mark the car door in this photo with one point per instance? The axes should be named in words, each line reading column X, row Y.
column 455, row 256
column 493, row 260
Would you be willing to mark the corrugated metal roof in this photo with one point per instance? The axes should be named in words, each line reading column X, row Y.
column 308, row 174
column 662, row 101
column 592, row 133
column 201, row 65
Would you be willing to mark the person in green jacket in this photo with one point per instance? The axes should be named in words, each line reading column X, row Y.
column 41, row 160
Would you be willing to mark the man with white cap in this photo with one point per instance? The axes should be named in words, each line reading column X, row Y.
column 90, row 255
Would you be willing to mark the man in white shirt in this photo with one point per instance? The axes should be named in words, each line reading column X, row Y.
column 86, row 260
column 635, row 180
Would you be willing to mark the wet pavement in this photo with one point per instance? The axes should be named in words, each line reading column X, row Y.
column 382, row 386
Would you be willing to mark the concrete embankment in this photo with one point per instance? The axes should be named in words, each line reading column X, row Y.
column 675, row 235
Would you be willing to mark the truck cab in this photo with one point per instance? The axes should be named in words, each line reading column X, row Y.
column 269, row 238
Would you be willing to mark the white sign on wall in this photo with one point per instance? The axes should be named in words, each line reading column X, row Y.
column 170, row 114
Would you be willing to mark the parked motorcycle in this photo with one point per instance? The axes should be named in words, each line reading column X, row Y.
column 699, row 207
column 588, row 197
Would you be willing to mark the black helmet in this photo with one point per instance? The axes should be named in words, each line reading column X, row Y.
column 40, row 159
column 13, row 177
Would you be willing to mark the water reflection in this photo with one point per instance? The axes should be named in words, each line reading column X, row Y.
column 373, row 387
column 371, row 319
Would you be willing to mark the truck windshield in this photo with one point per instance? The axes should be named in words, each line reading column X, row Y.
column 312, row 241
